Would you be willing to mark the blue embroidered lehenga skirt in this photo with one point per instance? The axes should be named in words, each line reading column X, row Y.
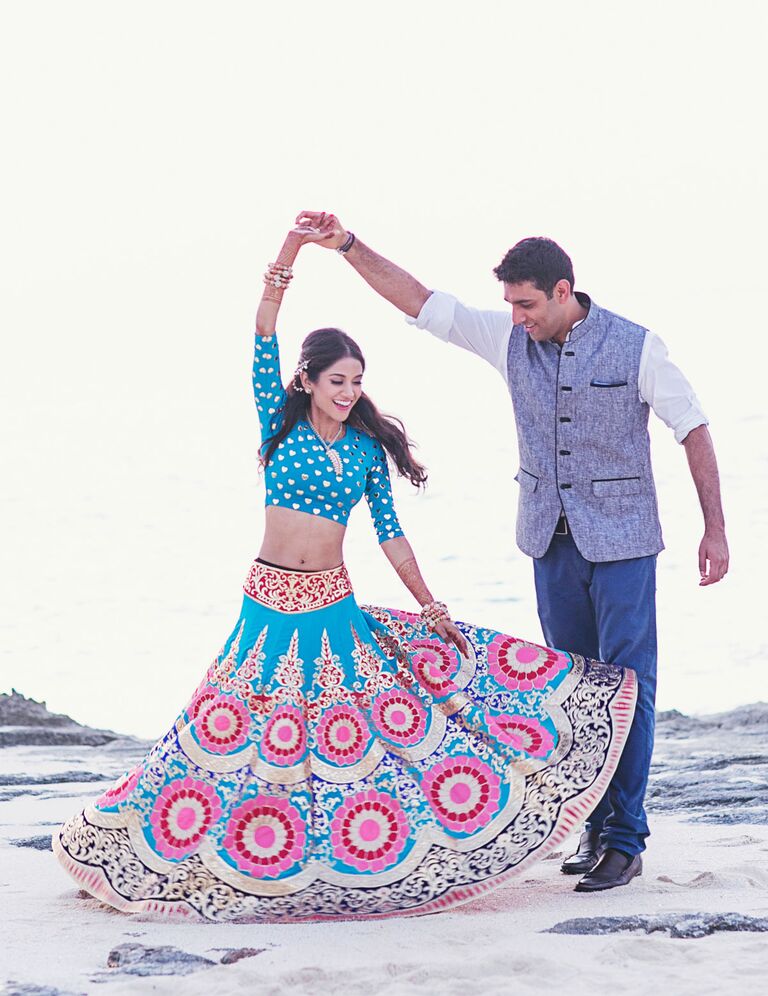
column 341, row 762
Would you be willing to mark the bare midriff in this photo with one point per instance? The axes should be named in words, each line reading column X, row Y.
column 300, row 541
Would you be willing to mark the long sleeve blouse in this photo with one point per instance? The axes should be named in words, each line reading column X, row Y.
column 300, row 474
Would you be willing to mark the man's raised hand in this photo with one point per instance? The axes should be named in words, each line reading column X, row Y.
column 324, row 229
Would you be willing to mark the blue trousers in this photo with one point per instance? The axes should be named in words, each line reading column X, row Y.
column 607, row 611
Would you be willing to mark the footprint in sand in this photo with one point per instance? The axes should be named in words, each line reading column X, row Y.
column 743, row 841
column 733, row 878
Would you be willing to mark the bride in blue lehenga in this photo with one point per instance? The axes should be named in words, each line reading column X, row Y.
column 339, row 761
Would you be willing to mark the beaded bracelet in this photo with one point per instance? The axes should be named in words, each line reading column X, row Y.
column 433, row 613
column 349, row 242
column 278, row 276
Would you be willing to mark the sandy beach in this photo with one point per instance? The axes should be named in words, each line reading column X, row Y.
column 693, row 923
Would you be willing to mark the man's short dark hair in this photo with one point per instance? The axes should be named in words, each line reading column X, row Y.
column 540, row 261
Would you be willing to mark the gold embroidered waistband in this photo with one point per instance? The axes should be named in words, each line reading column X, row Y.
column 297, row 591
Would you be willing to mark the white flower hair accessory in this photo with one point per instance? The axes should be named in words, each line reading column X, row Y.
column 300, row 369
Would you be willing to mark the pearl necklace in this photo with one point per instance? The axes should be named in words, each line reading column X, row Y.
column 332, row 455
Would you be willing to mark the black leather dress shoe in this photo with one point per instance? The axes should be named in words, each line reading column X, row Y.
column 585, row 859
column 613, row 868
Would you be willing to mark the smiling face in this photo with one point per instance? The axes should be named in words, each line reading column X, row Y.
column 335, row 391
column 544, row 317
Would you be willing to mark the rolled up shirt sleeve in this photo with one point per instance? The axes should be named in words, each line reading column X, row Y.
column 485, row 333
column 664, row 387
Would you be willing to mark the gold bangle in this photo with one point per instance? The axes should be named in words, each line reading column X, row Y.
column 433, row 613
column 278, row 275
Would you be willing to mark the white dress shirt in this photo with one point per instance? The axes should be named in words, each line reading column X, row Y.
column 660, row 383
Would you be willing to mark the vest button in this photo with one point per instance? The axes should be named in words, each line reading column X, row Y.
column 569, row 352
column 566, row 388
column 564, row 418
column 565, row 452
column 564, row 486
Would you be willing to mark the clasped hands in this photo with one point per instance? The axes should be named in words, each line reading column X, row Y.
column 324, row 229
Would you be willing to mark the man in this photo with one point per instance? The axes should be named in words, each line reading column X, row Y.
column 582, row 381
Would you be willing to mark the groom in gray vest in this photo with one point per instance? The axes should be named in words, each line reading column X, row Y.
column 582, row 382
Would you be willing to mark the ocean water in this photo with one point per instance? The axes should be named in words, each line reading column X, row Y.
column 143, row 205
column 134, row 508
column 153, row 165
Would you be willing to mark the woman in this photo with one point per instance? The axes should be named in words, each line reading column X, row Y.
column 336, row 761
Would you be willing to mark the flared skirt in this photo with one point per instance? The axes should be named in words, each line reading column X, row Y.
column 339, row 761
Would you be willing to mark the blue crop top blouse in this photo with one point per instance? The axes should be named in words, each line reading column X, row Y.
column 300, row 474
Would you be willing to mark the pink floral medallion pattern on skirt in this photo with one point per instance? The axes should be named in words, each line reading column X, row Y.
column 223, row 724
column 344, row 762
column 200, row 700
column 435, row 665
column 184, row 812
column 343, row 735
column 369, row 830
column 524, row 734
column 122, row 788
column 284, row 740
column 265, row 836
column 463, row 792
column 523, row 666
column 400, row 716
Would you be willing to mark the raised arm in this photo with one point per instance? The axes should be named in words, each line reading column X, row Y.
column 276, row 279
column 485, row 333
column 268, row 390
column 386, row 278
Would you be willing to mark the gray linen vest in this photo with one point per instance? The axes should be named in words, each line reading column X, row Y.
column 583, row 440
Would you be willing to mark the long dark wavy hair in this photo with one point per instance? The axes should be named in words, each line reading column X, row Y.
column 320, row 350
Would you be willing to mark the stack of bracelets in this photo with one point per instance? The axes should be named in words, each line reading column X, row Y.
column 433, row 613
column 278, row 276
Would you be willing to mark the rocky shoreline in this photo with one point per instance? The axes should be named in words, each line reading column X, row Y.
column 710, row 770
column 25, row 723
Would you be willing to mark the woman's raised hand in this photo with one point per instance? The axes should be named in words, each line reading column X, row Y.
column 324, row 229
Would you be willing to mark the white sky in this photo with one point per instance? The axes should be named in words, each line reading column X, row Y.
column 154, row 156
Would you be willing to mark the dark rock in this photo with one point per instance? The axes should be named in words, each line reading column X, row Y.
column 237, row 954
column 681, row 925
column 718, row 763
column 714, row 768
column 751, row 816
column 38, row 793
column 38, row 843
column 138, row 959
column 33, row 736
column 721, row 786
column 674, row 792
column 5, row 796
column 53, row 778
column 751, row 718
column 676, row 724
column 25, row 722
column 17, row 710
column 27, row 989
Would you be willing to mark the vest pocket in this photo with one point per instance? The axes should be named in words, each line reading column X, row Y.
column 616, row 486
column 607, row 383
column 528, row 482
